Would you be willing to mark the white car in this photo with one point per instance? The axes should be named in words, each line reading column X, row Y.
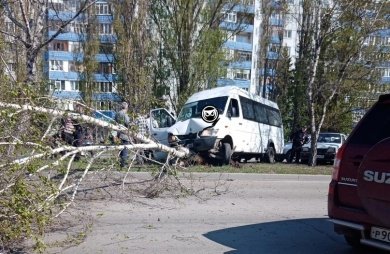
column 328, row 144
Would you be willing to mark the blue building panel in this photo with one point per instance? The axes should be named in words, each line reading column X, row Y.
column 270, row 72
column 385, row 80
column 106, row 97
column 104, row 77
column 276, row 39
column 104, row 58
column 240, row 8
column 68, row 36
column 70, row 56
column 108, row 38
column 236, row 26
column 104, row 19
column 246, row 65
column 382, row 33
column 63, row 55
column 62, row 75
column 69, row 95
column 234, row 82
column 242, row 46
column 272, row 55
column 106, row 115
column 276, row 22
column 64, row 15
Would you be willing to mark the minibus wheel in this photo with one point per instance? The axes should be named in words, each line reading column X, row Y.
column 226, row 153
column 270, row 155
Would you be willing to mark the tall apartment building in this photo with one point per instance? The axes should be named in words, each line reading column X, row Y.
column 65, row 55
column 244, row 47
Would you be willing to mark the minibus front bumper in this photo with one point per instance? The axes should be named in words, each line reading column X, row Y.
column 203, row 144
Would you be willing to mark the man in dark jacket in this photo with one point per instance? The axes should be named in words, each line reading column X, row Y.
column 298, row 138
column 123, row 118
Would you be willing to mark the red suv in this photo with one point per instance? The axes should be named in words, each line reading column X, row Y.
column 359, row 193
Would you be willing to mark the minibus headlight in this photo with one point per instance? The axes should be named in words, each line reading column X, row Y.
column 208, row 132
column 172, row 138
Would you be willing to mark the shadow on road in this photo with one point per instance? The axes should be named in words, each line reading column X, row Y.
column 290, row 236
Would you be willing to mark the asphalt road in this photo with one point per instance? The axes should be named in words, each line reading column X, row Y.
column 232, row 213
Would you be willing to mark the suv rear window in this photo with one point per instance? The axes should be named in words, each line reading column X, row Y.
column 374, row 127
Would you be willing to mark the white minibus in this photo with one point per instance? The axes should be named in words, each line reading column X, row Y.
column 247, row 126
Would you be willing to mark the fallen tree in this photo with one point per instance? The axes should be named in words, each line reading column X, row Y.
column 39, row 182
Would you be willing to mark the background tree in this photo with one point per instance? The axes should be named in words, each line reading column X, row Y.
column 334, row 54
column 190, row 43
column 133, row 52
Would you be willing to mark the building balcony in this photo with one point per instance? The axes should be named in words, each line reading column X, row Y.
column 242, row 46
column 248, row 28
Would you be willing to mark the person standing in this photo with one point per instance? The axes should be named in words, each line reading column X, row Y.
column 299, row 138
column 123, row 118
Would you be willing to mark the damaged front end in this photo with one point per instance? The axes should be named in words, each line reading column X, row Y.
column 195, row 134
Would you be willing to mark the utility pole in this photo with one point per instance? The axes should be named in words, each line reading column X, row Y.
column 254, row 87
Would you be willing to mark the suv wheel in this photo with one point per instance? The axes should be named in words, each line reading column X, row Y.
column 226, row 153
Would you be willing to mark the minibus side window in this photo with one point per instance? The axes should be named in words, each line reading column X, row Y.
column 233, row 108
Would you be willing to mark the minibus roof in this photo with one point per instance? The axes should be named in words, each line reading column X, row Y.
column 227, row 91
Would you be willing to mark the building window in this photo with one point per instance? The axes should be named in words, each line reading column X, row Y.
column 103, row 105
column 76, row 47
column 56, row 6
column 59, row 46
column 103, row 9
column 105, row 29
column 242, row 74
column 75, row 66
column 75, row 85
column 105, row 68
column 57, row 85
column 386, row 72
column 244, row 56
column 230, row 17
column 287, row 34
column 106, row 48
column 105, row 87
column 78, row 28
column 56, row 65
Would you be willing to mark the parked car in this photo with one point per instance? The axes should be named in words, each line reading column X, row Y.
column 359, row 200
column 328, row 143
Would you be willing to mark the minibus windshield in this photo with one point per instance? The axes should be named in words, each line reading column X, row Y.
column 194, row 109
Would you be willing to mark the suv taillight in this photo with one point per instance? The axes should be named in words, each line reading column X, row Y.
column 337, row 162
